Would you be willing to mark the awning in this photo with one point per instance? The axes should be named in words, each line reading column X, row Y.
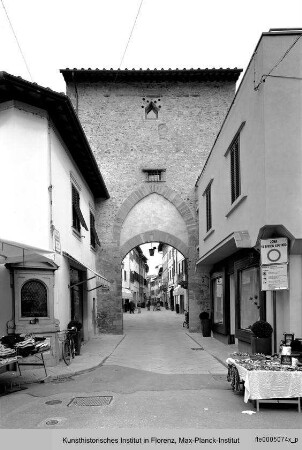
column 179, row 291
column 126, row 293
column 105, row 284
column 225, row 248
column 15, row 252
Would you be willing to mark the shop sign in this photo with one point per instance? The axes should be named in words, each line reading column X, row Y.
column 274, row 277
column 57, row 241
column 274, row 251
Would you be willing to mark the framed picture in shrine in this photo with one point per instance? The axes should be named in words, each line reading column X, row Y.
column 286, row 360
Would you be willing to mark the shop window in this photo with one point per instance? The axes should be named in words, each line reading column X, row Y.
column 77, row 216
column 218, row 300
column 34, row 299
column 249, row 297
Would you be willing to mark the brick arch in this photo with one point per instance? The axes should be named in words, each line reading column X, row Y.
column 154, row 236
column 169, row 194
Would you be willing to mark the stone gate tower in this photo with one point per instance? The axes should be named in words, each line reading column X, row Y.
column 150, row 131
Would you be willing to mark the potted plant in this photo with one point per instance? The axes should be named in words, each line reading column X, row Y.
column 261, row 338
column 77, row 338
column 205, row 323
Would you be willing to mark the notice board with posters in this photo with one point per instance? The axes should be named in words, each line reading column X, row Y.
column 274, row 264
column 274, row 277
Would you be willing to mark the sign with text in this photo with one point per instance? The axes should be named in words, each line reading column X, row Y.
column 57, row 241
column 274, row 277
column 274, row 251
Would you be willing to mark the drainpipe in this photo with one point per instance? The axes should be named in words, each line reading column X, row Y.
column 50, row 186
column 13, row 320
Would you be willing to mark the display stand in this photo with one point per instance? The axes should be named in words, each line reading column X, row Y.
column 291, row 401
column 269, row 386
column 38, row 356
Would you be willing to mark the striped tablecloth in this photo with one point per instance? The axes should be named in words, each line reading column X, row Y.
column 266, row 384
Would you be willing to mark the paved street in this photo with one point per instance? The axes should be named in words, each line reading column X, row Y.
column 158, row 376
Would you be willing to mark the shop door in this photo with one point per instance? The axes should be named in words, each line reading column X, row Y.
column 172, row 300
column 76, row 292
column 181, row 304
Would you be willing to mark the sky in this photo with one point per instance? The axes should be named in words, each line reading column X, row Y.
column 57, row 34
column 153, row 261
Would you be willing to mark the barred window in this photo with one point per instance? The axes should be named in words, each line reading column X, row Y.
column 94, row 239
column 34, row 299
column 235, row 169
column 155, row 175
column 77, row 216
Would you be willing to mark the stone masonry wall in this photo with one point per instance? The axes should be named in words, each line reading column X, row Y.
column 124, row 142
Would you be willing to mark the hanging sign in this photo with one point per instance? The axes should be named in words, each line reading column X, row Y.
column 57, row 241
column 274, row 251
column 274, row 277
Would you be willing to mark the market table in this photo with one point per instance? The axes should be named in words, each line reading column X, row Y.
column 270, row 386
column 9, row 360
column 38, row 356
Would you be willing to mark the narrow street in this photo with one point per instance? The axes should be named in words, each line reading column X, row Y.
column 157, row 377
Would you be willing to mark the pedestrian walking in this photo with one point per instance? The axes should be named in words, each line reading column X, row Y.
column 131, row 307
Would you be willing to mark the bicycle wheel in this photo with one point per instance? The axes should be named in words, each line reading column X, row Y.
column 66, row 353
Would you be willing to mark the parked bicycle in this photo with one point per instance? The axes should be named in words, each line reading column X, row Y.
column 68, row 345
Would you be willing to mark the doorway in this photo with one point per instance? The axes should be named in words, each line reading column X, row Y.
column 76, row 295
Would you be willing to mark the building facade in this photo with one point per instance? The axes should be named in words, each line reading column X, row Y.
column 249, row 191
column 134, row 282
column 48, row 240
column 150, row 131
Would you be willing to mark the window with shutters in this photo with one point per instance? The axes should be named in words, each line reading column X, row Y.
column 208, row 208
column 77, row 216
column 235, row 169
column 94, row 239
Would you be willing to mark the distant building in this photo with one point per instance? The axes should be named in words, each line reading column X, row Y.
column 134, row 271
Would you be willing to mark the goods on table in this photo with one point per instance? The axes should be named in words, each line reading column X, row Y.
column 21, row 345
column 262, row 362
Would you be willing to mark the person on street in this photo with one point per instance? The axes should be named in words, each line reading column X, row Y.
column 131, row 307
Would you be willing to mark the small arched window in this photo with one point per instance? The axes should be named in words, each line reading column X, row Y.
column 34, row 299
column 151, row 111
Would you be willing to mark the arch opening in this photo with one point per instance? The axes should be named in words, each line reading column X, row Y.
column 154, row 276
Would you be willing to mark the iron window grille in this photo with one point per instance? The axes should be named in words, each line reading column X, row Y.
column 235, row 169
column 34, row 299
column 94, row 239
column 154, row 175
column 77, row 216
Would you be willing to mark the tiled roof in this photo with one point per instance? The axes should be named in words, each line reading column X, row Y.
column 64, row 117
column 171, row 75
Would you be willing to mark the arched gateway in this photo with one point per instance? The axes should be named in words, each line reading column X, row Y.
column 151, row 132
column 155, row 213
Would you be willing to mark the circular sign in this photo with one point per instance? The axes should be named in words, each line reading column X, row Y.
column 274, row 255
